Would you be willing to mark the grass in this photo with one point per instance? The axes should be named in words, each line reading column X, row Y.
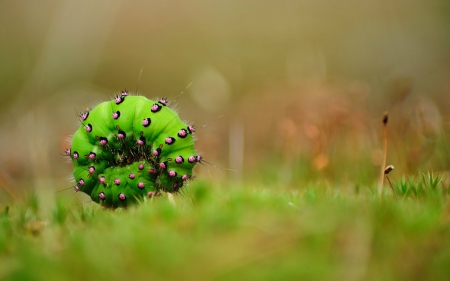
column 311, row 232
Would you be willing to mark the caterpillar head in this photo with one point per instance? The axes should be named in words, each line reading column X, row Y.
column 131, row 147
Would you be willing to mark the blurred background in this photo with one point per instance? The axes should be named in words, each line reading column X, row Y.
column 283, row 92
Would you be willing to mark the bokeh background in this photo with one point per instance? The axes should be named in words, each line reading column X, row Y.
column 280, row 91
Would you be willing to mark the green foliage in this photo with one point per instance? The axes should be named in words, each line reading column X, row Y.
column 311, row 232
column 60, row 212
column 425, row 185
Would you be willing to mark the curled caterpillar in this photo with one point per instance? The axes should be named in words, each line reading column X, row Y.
column 129, row 148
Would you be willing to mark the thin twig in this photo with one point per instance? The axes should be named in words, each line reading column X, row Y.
column 390, row 184
column 383, row 164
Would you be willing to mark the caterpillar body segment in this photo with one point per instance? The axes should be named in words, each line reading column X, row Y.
column 131, row 147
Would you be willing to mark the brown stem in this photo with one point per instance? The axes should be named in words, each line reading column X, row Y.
column 390, row 184
column 383, row 164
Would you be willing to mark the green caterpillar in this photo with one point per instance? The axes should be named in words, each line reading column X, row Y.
column 129, row 148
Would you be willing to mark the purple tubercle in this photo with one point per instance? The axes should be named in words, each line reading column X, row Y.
column 84, row 115
column 141, row 167
column 146, row 122
column 91, row 169
column 103, row 141
column 124, row 93
column 172, row 174
column 141, row 141
column 88, row 128
column 152, row 171
column 132, row 176
column 157, row 152
column 102, row 196
column 184, row 177
column 122, row 197
column 102, row 179
column 116, row 115
column 170, row 140
column 75, row 155
column 179, row 159
column 81, row 182
column 77, row 188
column 163, row 101
column 119, row 99
column 116, row 181
column 192, row 159
column 150, row 194
column 92, row 155
column 155, row 108
column 121, row 135
column 141, row 185
column 191, row 129
column 182, row 133
column 162, row 165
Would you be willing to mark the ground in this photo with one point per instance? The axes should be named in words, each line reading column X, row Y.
column 249, row 232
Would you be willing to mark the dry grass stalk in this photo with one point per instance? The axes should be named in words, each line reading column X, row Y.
column 383, row 164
